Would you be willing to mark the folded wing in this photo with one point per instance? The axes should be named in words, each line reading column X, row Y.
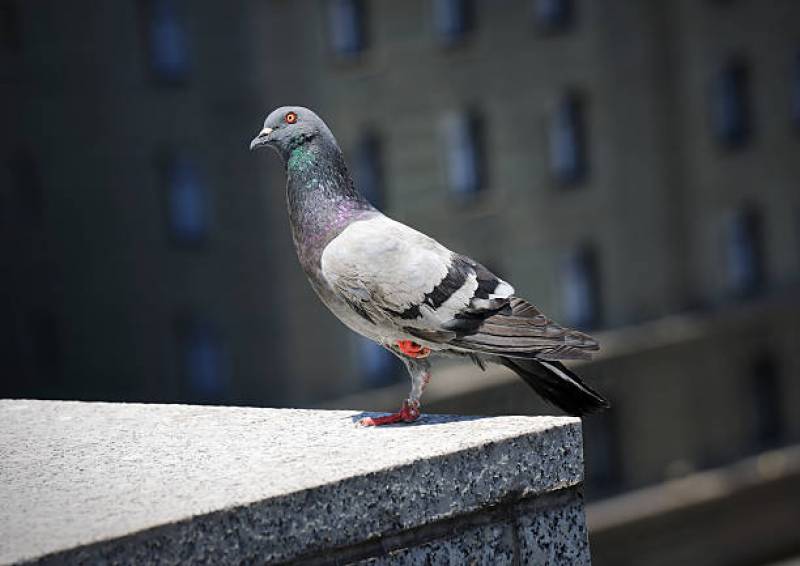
column 392, row 274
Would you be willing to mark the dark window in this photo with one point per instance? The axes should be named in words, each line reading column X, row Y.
column 602, row 453
column 347, row 20
column 453, row 19
column 731, row 111
column 744, row 253
column 9, row 25
column 368, row 169
column 553, row 15
column 378, row 366
column 26, row 181
column 203, row 361
column 767, row 397
column 581, row 288
column 167, row 43
column 464, row 146
column 187, row 200
column 568, row 159
column 796, row 91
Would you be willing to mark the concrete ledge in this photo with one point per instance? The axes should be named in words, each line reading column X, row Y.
column 89, row 482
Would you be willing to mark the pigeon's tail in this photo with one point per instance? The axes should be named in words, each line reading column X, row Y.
column 558, row 385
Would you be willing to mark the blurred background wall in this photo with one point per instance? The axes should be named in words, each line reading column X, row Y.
column 631, row 165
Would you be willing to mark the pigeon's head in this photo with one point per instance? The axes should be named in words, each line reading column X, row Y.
column 289, row 127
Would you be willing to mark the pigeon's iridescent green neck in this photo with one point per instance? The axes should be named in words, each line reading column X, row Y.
column 300, row 159
column 321, row 197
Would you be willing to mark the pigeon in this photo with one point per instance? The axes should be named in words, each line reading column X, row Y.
column 406, row 291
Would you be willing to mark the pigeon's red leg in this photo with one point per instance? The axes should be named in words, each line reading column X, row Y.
column 409, row 412
column 419, row 380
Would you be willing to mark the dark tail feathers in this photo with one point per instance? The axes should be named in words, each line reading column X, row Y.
column 558, row 385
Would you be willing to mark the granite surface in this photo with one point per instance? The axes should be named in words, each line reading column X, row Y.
column 135, row 483
column 549, row 533
column 490, row 544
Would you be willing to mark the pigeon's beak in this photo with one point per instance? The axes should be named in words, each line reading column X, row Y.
column 261, row 139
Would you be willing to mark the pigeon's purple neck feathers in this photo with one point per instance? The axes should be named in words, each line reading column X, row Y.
column 321, row 198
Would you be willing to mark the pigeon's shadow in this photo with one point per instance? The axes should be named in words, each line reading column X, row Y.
column 423, row 420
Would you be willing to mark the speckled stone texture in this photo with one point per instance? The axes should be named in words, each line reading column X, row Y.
column 491, row 544
column 132, row 484
column 549, row 533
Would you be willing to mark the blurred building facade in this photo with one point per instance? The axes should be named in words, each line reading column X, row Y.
column 629, row 165
column 137, row 252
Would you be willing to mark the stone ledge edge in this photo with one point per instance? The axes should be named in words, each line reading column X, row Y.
column 250, row 530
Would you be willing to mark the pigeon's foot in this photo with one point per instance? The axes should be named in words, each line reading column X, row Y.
column 412, row 349
column 407, row 414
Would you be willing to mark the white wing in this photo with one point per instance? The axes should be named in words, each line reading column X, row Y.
column 386, row 270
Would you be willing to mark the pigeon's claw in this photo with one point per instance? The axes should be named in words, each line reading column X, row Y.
column 408, row 413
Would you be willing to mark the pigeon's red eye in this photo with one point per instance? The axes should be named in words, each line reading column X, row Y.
column 291, row 118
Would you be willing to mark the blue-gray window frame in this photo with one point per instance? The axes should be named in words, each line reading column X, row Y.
column 581, row 275
column 465, row 154
column 181, row 177
column 347, row 27
column 731, row 109
column 453, row 20
column 204, row 364
column 568, row 141
column 368, row 170
column 744, row 248
column 552, row 16
column 166, row 40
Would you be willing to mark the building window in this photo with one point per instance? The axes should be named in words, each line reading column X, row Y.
column 464, row 149
column 347, row 21
column 453, row 19
column 9, row 25
column 744, row 253
column 378, row 366
column 166, row 40
column 368, row 169
column 796, row 91
column 553, row 15
column 581, row 288
column 568, row 159
column 731, row 111
column 187, row 201
column 25, row 178
column 602, row 453
column 203, row 360
column 765, row 391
